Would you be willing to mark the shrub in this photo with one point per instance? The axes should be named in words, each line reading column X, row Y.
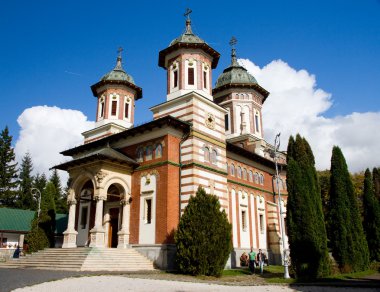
column 203, row 238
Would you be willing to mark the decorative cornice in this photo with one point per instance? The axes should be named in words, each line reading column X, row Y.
column 204, row 167
column 157, row 164
column 248, row 186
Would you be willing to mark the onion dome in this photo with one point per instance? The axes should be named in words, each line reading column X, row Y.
column 117, row 76
column 118, row 73
column 188, row 40
column 236, row 76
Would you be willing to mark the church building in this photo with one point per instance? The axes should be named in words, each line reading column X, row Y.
column 130, row 184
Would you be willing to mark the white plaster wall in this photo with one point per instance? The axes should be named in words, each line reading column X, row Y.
column 261, row 211
column 12, row 239
column 253, row 220
column 233, row 221
column 147, row 234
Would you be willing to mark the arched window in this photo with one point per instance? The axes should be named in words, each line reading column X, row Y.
column 214, row 156
column 206, row 154
column 261, row 179
column 256, row 177
column 239, row 172
column 227, row 169
column 244, row 173
column 250, row 175
column 158, row 151
column 232, row 169
column 148, row 153
column 140, row 154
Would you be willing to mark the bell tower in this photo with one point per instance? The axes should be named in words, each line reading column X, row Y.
column 116, row 93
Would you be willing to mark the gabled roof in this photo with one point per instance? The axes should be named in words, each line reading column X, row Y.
column 106, row 153
column 167, row 120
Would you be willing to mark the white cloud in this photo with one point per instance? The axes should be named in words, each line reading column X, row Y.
column 296, row 105
column 46, row 131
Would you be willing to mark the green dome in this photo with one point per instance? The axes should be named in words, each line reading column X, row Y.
column 188, row 36
column 118, row 74
column 235, row 74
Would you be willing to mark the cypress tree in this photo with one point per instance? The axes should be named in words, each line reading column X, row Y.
column 48, row 211
column 203, row 238
column 26, row 200
column 347, row 240
column 8, row 170
column 376, row 182
column 305, row 220
column 371, row 214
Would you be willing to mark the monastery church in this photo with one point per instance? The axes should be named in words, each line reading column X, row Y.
column 130, row 184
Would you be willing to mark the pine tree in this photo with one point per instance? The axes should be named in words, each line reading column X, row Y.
column 203, row 248
column 25, row 184
column 347, row 240
column 371, row 221
column 59, row 198
column 8, row 170
column 305, row 220
column 376, row 182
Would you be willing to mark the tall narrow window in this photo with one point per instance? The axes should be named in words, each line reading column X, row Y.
column 101, row 109
column 158, row 151
column 114, row 107
column 148, row 211
column 207, row 154
column 250, row 176
column 204, row 79
column 232, row 168
column 262, row 223
column 214, row 157
column 239, row 172
column 244, row 173
column 244, row 220
column 226, row 124
column 148, row 153
column 257, row 122
column 175, row 78
column 126, row 110
column 140, row 154
column 190, row 76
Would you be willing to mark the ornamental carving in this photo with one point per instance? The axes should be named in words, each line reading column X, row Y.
column 210, row 121
column 100, row 176
column 71, row 201
column 126, row 200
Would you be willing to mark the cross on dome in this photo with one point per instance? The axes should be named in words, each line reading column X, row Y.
column 232, row 43
column 187, row 13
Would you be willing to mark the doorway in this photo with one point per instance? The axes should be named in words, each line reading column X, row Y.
column 113, row 227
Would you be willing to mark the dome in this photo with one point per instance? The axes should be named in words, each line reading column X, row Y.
column 118, row 74
column 188, row 36
column 235, row 74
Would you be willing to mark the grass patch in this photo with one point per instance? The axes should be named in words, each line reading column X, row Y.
column 351, row 276
column 236, row 272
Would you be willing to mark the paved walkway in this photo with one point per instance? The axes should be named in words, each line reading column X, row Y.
column 121, row 283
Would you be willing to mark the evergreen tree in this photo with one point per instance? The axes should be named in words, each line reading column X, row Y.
column 8, row 170
column 347, row 240
column 203, row 248
column 305, row 220
column 59, row 198
column 47, row 216
column 371, row 221
column 376, row 182
column 26, row 200
column 324, row 184
column 36, row 238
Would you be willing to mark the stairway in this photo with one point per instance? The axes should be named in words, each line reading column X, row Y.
column 83, row 259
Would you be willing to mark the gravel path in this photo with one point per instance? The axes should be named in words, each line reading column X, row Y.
column 120, row 283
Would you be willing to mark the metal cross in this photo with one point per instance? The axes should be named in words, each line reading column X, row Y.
column 187, row 13
column 233, row 42
column 119, row 50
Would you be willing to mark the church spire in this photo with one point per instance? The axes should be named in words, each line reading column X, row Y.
column 233, row 42
column 119, row 60
column 188, row 21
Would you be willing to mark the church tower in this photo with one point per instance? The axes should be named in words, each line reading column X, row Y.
column 242, row 97
column 189, row 61
column 116, row 93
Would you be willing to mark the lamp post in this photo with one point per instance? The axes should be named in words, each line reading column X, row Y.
column 276, row 146
column 34, row 191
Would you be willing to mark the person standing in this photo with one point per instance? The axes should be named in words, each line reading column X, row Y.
column 260, row 258
column 252, row 257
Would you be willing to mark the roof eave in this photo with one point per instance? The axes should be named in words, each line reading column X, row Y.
column 118, row 82
column 162, row 54
column 255, row 86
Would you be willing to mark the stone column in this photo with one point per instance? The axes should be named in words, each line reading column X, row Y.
column 98, row 233
column 70, row 235
column 123, row 234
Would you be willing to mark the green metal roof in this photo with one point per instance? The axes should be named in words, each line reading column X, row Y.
column 118, row 73
column 16, row 219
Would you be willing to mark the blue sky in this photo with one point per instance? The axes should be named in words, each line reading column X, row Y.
column 52, row 51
